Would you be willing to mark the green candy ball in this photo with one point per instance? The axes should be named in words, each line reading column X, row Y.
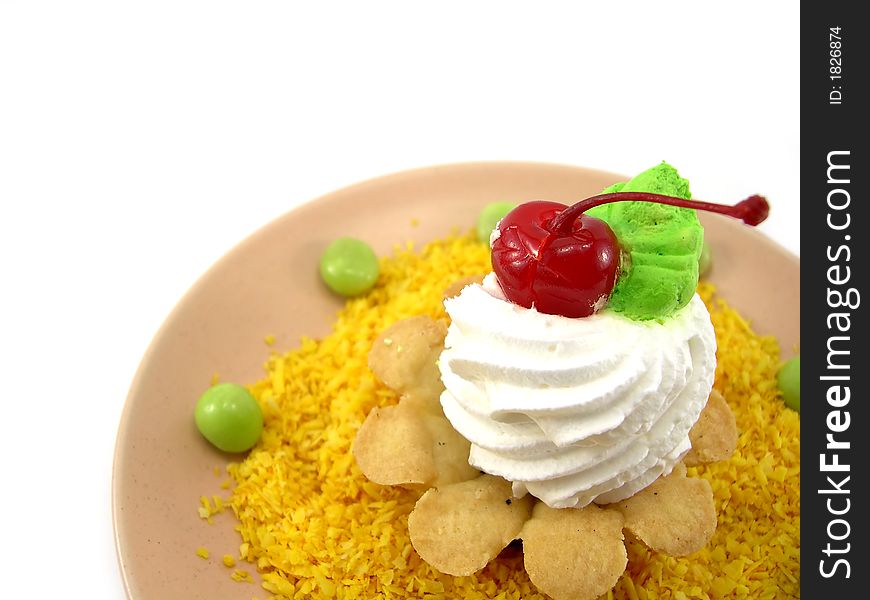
column 705, row 261
column 789, row 380
column 349, row 267
column 229, row 417
column 489, row 217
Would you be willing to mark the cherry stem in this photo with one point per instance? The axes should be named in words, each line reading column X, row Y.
column 752, row 210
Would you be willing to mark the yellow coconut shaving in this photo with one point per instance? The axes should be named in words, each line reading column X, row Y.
column 315, row 527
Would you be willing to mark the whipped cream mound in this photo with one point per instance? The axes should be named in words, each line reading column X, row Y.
column 573, row 411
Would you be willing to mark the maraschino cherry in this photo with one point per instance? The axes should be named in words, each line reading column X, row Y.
column 565, row 262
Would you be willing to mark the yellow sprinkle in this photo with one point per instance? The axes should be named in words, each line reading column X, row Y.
column 242, row 576
column 229, row 561
column 269, row 339
column 629, row 588
column 202, row 552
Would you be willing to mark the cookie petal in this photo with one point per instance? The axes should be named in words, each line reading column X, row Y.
column 574, row 554
column 457, row 286
column 449, row 451
column 676, row 515
column 394, row 447
column 714, row 436
column 459, row 528
column 405, row 445
column 404, row 357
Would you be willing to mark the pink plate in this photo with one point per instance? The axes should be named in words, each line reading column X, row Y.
column 269, row 284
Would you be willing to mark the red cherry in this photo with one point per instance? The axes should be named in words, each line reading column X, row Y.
column 564, row 262
column 565, row 274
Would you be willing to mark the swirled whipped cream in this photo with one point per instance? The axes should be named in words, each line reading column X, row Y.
column 573, row 411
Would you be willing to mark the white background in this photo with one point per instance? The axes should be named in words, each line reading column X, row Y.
column 139, row 142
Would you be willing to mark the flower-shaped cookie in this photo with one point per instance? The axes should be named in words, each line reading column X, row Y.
column 464, row 518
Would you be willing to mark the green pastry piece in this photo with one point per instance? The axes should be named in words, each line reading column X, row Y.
column 660, row 246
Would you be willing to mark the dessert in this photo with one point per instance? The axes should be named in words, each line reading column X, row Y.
column 349, row 535
column 575, row 371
